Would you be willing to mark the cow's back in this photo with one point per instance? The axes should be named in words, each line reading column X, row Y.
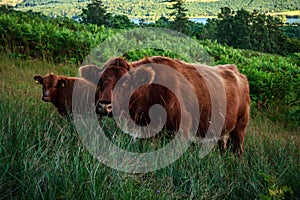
column 65, row 96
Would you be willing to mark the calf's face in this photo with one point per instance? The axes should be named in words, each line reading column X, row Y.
column 51, row 84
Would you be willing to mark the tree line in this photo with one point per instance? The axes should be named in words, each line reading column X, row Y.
column 242, row 29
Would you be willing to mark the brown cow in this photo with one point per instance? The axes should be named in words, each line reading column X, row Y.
column 235, row 86
column 58, row 90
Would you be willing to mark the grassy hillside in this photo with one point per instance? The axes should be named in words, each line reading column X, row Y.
column 42, row 156
column 152, row 10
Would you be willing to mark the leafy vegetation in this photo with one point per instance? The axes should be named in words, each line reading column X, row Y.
column 253, row 31
column 96, row 14
column 179, row 16
column 34, row 35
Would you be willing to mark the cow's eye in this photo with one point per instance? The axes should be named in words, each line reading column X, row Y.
column 125, row 83
column 100, row 83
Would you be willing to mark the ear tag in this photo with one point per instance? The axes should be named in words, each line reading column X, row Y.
column 63, row 85
column 37, row 82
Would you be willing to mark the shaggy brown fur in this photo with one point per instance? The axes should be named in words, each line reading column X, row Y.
column 233, row 82
column 58, row 90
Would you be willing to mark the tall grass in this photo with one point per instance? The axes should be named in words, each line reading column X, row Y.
column 42, row 157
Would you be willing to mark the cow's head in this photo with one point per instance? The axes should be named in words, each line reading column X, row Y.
column 116, row 70
column 51, row 84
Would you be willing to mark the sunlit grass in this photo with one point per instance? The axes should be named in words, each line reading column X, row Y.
column 287, row 13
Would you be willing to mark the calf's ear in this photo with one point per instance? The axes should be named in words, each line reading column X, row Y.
column 38, row 79
column 61, row 83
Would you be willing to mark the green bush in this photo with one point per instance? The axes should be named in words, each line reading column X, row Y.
column 37, row 36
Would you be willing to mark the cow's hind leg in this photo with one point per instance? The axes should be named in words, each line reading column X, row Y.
column 238, row 134
column 223, row 142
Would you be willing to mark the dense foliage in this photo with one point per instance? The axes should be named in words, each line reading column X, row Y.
column 244, row 30
column 34, row 35
column 95, row 13
column 255, row 31
column 178, row 15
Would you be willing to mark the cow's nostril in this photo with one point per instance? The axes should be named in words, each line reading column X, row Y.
column 99, row 108
column 99, row 105
column 109, row 108
column 103, row 108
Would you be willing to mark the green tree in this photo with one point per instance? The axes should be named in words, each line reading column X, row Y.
column 120, row 22
column 224, row 26
column 210, row 30
column 241, row 36
column 247, row 30
column 95, row 13
column 292, row 31
column 179, row 16
column 162, row 22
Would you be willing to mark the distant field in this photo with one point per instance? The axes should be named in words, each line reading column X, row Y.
column 287, row 13
column 201, row 0
column 152, row 10
column 10, row 2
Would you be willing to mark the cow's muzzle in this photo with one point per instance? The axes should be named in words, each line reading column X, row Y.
column 104, row 108
column 46, row 99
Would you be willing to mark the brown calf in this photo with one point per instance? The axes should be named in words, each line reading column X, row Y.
column 58, row 90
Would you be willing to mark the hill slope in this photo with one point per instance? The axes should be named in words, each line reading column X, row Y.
column 154, row 9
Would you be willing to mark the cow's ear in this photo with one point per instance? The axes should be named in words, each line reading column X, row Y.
column 143, row 74
column 119, row 62
column 89, row 72
column 38, row 79
column 61, row 83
